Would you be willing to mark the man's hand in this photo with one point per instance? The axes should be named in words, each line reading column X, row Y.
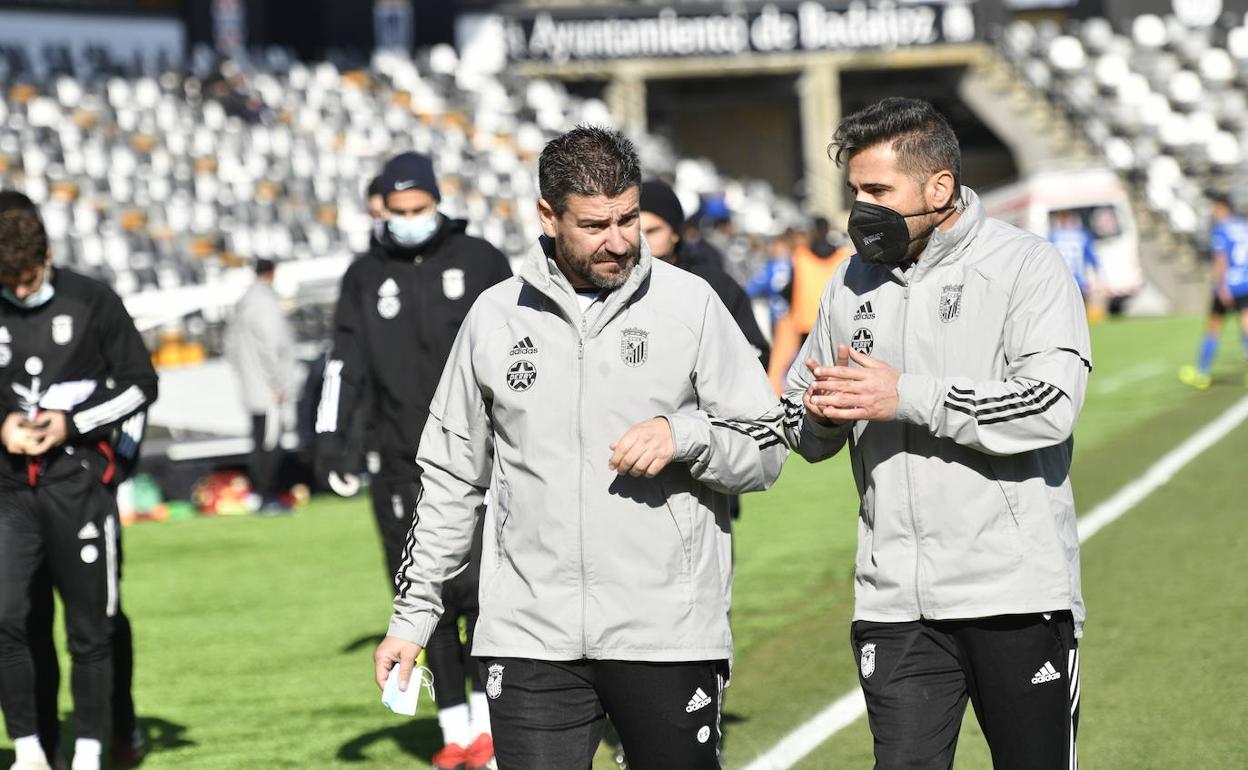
column 17, row 434
column 394, row 650
column 824, row 384
column 845, row 394
column 50, row 430
column 645, row 450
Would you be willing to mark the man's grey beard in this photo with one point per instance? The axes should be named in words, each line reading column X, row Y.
column 612, row 281
column 585, row 269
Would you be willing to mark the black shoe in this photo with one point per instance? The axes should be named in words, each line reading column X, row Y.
column 129, row 752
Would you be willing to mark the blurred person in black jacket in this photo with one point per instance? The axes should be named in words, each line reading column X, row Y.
column 662, row 220
column 400, row 308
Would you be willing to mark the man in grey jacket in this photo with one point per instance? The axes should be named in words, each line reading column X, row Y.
column 260, row 345
column 611, row 404
column 951, row 353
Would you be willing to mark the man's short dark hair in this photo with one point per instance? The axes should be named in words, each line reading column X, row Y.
column 23, row 242
column 587, row 160
column 12, row 199
column 921, row 137
column 374, row 187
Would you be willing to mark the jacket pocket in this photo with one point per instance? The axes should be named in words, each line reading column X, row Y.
column 998, row 469
column 1009, row 488
column 502, row 512
column 680, row 505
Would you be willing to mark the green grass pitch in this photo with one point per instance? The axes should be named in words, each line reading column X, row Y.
column 254, row 636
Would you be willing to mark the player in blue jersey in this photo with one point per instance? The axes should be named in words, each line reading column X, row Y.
column 1229, row 249
column 1075, row 243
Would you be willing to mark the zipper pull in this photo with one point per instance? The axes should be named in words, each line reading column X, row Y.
column 580, row 349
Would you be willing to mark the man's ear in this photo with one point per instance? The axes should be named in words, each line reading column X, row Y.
column 940, row 190
column 546, row 213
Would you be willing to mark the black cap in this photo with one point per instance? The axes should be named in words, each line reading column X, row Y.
column 265, row 266
column 658, row 198
column 409, row 171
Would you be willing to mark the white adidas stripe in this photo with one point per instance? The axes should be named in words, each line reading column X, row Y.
column 848, row 708
column 114, row 409
column 331, row 388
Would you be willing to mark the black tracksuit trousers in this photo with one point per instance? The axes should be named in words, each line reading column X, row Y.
column 1020, row 672
column 70, row 523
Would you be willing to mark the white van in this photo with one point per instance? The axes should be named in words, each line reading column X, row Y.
column 1098, row 196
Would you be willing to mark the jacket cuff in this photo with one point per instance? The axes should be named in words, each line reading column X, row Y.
column 414, row 627
column 821, row 431
column 689, row 437
column 918, row 396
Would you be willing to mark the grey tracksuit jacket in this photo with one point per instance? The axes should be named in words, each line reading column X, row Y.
column 966, row 506
column 578, row 561
column 260, row 344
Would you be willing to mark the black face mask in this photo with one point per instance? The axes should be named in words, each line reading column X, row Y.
column 881, row 235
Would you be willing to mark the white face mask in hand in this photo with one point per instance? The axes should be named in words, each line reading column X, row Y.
column 405, row 702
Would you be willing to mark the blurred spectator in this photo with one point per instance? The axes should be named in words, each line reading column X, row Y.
column 260, row 344
column 230, row 90
column 1229, row 247
column 814, row 261
column 774, row 280
column 823, row 239
column 661, row 222
column 376, row 203
column 1077, row 246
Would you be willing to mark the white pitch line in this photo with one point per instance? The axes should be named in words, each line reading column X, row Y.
column 1116, row 382
column 846, row 709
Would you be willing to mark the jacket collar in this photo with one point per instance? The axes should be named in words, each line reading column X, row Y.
column 949, row 245
column 540, row 271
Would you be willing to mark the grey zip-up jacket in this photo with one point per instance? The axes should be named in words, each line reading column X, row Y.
column 580, row 562
column 966, row 506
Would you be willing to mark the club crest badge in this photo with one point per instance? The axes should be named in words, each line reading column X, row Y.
column 494, row 683
column 521, row 375
column 388, row 304
column 453, row 283
column 950, row 302
column 863, row 341
column 634, row 346
column 62, row 329
column 867, row 662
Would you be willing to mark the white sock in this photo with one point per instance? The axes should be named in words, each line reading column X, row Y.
column 480, row 713
column 454, row 724
column 87, row 754
column 28, row 750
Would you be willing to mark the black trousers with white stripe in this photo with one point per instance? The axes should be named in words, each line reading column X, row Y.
column 71, row 523
column 549, row 715
column 1020, row 672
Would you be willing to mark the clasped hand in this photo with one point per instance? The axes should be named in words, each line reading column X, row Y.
column 23, row 436
column 842, row 393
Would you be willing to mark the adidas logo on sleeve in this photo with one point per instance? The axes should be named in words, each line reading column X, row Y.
column 524, row 347
column 699, row 700
column 1046, row 674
